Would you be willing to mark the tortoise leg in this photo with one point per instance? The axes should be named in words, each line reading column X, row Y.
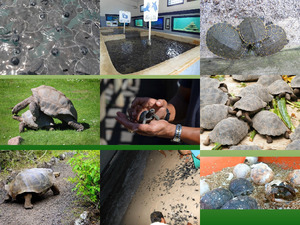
column 223, row 87
column 75, row 125
column 287, row 135
column 22, row 126
column 288, row 96
column 231, row 111
column 7, row 198
column 294, row 97
column 55, row 189
column 269, row 139
column 34, row 109
column 201, row 130
column 296, row 91
column 21, row 105
column 27, row 204
column 248, row 119
column 239, row 114
column 207, row 141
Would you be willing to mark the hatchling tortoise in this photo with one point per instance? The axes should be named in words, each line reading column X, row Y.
column 215, row 199
column 295, row 145
column 211, row 115
column 223, row 40
column 281, row 89
column 51, row 102
column 240, row 186
column 206, row 82
column 246, row 77
column 280, row 191
column 248, row 105
column 241, row 202
column 269, row 124
column 42, row 121
column 296, row 135
column 267, row 80
column 275, row 41
column 295, row 84
column 30, row 182
column 252, row 31
column 254, row 89
column 209, row 96
column 229, row 131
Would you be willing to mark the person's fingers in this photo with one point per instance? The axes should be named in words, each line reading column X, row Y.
column 140, row 101
column 160, row 103
column 122, row 118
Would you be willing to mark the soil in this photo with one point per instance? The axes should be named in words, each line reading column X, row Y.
column 221, row 179
column 279, row 143
column 126, row 53
column 170, row 185
column 62, row 209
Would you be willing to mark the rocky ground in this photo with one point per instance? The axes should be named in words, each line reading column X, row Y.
column 48, row 209
column 279, row 143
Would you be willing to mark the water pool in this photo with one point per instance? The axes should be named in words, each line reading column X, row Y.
column 49, row 37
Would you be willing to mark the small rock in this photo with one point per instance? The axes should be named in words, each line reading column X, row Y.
column 62, row 156
column 15, row 141
column 83, row 219
column 53, row 160
column 44, row 165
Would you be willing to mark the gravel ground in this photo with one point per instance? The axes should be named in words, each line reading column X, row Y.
column 48, row 209
column 284, row 13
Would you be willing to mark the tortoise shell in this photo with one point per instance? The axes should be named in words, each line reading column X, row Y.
column 252, row 30
column 278, row 87
column 211, row 115
column 240, row 186
column 223, row 40
column 275, row 41
column 206, row 82
column 268, row 123
column 267, row 80
column 53, row 102
column 246, row 77
column 41, row 121
column 241, row 202
column 296, row 82
column 209, row 96
column 296, row 135
column 295, row 145
column 36, row 180
column 215, row 199
column 256, row 89
column 245, row 147
column 230, row 131
column 250, row 103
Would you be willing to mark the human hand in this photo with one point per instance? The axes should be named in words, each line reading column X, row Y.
column 145, row 104
column 158, row 128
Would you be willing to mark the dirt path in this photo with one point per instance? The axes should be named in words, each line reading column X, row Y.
column 48, row 209
column 279, row 143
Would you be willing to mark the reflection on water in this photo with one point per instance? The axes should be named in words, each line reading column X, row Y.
column 47, row 37
column 133, row 54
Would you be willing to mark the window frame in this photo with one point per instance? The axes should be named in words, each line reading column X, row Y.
column 174, row 4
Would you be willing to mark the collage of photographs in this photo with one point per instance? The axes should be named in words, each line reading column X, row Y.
column 249, row 111
column 100, row 112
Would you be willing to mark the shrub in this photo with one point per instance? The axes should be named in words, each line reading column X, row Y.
column 86, row 166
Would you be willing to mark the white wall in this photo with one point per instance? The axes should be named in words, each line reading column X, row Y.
column 113, row 6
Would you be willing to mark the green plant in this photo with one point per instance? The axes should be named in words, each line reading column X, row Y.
column 86, row 166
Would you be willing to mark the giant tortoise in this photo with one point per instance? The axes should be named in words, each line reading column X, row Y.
column 51, row 102
column 31, row 182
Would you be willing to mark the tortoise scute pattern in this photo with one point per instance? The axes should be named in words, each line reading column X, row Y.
column 268, row 123
column 278, row 87
column 206, row 82
column 229, row 131
column 53, row 102
column 274, row 43
column 211, row 115
column 250, row 103
column 252, row 30
column 36, row 180
column 209, row 96
column 241, row 202
column 246, row 77
column 223, row 40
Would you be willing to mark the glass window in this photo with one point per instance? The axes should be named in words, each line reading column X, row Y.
column 138, row 22
column 159, row 24
column 175, row 2
column 187, row 24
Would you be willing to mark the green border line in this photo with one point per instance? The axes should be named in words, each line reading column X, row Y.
column 98, row 147
column 266, row 153
column 99, row 77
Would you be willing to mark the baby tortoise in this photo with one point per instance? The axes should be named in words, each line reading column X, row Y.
column 280, row 191
column 241, row 202
column 215, row 199
column 240, row 186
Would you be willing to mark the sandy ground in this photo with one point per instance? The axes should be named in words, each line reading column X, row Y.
column 61, row 209
column 284, row 13
column 170, row 186
column 222, row 180
column 279, row 143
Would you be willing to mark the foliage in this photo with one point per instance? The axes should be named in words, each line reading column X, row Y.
column 86, row 166
column 84, row 94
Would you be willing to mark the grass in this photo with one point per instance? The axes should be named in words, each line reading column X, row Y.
column 85, row 96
